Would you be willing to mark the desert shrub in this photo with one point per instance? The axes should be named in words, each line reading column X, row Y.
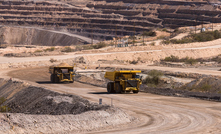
column 161, row 37
column 216, row 59
column 50, row 49
column 152, row 43
column 153, row 77
column 187, row 60
column 67, row 49
column 149, row 33
column 2, row 100
column 199, row 37
column 190, row 61
column 205, row 87
column 132, row 37
column 139, row 59
column 38, row 51
column 165, row 30
column 52, row 60
column 165, row 42
column 99, row 45
column 3, row 108
column 202, row 37
column 133, row 62
column 172, row 58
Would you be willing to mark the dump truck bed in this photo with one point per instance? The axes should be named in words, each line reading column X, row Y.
column 112, row 75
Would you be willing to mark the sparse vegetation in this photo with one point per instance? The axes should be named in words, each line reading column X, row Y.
column 187, row 60
column 149, row 33
column 50, row 49
column 199, row 37
column 38, row 51
column 3, row 108
column 153, row 78
column 152, row 43
column 161, row 37
column 133, row 62
column 67, row 49
column 99, row 45
column 205, row 87
column 52, row 60
column 165, row 30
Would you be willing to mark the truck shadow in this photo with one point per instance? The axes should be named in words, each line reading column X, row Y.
column 100, row 93
column 107, row 93
column 49, row 82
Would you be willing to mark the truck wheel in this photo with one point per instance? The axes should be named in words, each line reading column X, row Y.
column 109, row 87
column 118, row 88
column 135, row 91
column 112, row 87
column 52, row 78
column 57, row 80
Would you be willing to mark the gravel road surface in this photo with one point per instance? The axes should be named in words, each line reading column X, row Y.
column 158, row 114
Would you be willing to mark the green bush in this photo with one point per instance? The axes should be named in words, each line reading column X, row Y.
column 49, row 49
column 199, row 37
column 190, row 61
column 149, row 33
column 152, row 43
column 2, row 100
column 3, row 108
column 153, row 78
column 67, row 49
column 165, row 42
column 187, row 60
column 38, row 51
column 205, row 87
column 172, row 58
column 133, row 62
column 165, row 30
column 99, row 45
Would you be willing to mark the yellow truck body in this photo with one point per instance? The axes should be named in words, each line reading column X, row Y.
column 123, row 81
column 62, row 73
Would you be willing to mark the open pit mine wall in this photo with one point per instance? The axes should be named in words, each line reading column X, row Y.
column 169, row 2
column 31, row 36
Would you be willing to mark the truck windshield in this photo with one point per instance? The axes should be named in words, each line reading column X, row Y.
column 137, row 76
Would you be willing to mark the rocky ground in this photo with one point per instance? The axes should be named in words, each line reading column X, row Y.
column 38, row 110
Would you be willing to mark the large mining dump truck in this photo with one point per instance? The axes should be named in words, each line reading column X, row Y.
column 62, row 73
column 123, row 81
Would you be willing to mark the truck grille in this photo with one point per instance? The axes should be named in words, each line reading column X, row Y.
column 66, row 76
column 131, row 83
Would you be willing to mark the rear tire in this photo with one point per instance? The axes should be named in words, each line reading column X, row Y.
column 135, row 91
column 110, row 88
column 57, row 80
column 118, row 88
column 52, row 78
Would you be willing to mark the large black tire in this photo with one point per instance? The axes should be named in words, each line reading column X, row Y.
column 135, row 91
column 110, row 88
column 118, row 88
column 52, row 78
column 57, row 80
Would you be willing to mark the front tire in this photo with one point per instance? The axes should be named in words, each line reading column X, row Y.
column 135, row 91
column 118, row 88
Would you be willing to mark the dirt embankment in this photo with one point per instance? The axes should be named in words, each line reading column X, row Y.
column 38, row 110
column 35, row 36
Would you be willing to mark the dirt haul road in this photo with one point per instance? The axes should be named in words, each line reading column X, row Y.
column 157, row 114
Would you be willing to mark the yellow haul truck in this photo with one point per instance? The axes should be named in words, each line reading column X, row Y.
column 62, row 73
column 123, row 81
